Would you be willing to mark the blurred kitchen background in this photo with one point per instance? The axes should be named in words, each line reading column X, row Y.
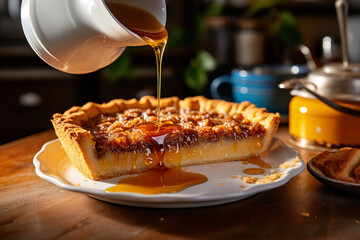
column 203, row 43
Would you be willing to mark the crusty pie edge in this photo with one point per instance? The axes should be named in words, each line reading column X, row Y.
column 80, row 147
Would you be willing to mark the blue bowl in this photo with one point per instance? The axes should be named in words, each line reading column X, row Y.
column 259, row 85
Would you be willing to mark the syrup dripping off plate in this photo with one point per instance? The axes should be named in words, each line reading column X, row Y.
column 52, row 164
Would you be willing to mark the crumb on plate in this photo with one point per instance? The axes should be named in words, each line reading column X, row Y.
column 270, row 178
column 267, row 179
column 249, row 179
column 291, row 164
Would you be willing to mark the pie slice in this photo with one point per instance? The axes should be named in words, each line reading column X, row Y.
column 123, row 136
column 343, row 165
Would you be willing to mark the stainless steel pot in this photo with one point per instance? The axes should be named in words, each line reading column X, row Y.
column 325, row 109
column 335, row 81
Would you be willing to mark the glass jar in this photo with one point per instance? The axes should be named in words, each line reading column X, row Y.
column 249, row 43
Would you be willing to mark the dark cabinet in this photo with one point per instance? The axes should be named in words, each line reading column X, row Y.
column 29, row 98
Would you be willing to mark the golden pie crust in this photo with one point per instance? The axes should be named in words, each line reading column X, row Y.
column 101, row 142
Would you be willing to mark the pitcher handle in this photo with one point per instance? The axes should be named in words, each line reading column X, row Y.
column 215, row 87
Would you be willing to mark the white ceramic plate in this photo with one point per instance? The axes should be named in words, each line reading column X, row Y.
column 53, row 165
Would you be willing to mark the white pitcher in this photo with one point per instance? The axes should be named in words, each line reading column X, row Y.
column 81, row 36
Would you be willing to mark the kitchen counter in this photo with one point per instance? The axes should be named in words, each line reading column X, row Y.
column 32, row 208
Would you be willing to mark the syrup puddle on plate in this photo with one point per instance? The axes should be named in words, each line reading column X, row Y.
column 259, row 162
column 159, row 181
column 169, row 180
column 254, row 171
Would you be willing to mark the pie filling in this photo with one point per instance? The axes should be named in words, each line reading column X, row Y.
column 137, row 130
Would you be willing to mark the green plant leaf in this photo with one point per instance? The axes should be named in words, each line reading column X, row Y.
column 262, row 7
column 195, row 78
column 196, row 73
column 205, row 61
column 286, row 29
column 214, row 9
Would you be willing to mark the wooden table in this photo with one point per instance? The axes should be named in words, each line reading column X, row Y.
column 31, row 208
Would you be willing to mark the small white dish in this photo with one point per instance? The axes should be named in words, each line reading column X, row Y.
column 53, row 165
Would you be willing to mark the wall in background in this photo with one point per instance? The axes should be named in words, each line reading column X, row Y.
column 31, row 91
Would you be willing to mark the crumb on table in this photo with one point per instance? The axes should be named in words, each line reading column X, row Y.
column 305, row 214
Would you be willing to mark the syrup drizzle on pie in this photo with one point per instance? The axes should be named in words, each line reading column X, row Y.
column 157, row 132
column 160, row 179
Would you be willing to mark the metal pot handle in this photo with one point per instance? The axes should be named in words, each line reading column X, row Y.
column 342, row 9
column 297, row 84
column 305, row 51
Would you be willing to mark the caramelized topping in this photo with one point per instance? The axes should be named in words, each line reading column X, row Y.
column 125, row 131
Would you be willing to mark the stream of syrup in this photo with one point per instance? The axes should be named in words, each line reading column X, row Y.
column 160, row 179
column 146, row 26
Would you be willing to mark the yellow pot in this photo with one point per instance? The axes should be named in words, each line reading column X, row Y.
column 311, row 122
